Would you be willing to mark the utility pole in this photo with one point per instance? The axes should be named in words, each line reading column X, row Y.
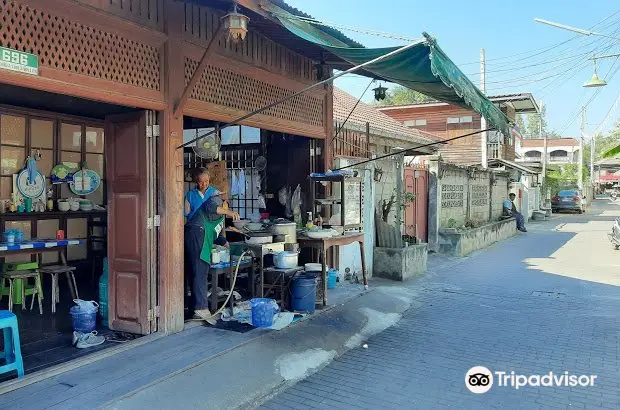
column 581, row 129
column 483, row 121
column 540, row 135
column 592, row 147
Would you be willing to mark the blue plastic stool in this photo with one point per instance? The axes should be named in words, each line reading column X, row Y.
column 12, row 348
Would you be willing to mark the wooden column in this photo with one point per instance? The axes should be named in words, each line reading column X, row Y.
column 329, row 121
column 171, row 176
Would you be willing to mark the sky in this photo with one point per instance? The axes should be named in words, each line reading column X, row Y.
column 522, row 55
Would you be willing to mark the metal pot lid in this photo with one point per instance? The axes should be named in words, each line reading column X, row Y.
column 282, row 221
column 259, row 234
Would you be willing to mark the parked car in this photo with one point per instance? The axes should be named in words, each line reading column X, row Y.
column 569, row 200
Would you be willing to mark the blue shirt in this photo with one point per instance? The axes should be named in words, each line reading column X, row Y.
column 507, row 204
column 196, row 199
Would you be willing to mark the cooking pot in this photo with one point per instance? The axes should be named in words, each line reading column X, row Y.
column 242, row 223
column 255, row 226
column 285, row 227
column 285, row 260
column 259, row 238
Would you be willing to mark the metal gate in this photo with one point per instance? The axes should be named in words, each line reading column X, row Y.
column 416, row 214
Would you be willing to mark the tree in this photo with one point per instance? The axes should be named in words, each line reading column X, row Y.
column 615, row 137
column 399, row 95
column 530, row 125
column 603, row 144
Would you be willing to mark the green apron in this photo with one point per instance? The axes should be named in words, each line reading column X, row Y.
column 212, row 231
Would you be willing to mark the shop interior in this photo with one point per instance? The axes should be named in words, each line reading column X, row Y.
column 266, row 176
column 53, row 188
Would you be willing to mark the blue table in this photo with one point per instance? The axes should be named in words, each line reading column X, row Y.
column 37, row 246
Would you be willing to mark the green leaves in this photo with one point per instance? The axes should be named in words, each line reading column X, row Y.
column 612, row 152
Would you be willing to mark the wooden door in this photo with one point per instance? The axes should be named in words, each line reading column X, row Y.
column 130, row 302
column 416, row 213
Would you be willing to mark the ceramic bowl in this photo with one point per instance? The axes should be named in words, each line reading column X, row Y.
column 63, row 206
column 74, row 206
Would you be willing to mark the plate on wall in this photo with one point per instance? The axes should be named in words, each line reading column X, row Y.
column 85, row 182
column 28, row 190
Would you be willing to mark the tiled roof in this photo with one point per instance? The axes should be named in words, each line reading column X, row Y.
column 380, row 123
column 551, row 142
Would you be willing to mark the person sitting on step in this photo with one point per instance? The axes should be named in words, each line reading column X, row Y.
column 509, row 209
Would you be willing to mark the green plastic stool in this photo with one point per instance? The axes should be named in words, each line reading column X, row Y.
column 18, row 284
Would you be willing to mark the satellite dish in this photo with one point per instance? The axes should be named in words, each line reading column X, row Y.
column 208, row 147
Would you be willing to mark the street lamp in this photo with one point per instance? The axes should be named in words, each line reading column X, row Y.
column 573, row 29
column 595, row 81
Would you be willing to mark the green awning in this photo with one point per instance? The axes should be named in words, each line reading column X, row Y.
column 424, row 68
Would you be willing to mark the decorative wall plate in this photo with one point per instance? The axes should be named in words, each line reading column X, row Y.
column 28, row 190
column 85, row 182
column 61, row 174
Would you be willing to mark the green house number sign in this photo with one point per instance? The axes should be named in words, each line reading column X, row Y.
column 18, row 61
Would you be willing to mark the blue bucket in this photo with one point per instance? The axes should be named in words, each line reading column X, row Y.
column 303, row 294
column 263, row 310
column 83, row 321
column 332, row 278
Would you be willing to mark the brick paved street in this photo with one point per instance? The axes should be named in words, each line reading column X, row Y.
column 544, row 301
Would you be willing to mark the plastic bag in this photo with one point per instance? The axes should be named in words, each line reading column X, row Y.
column 296, row 201
column 87, row 306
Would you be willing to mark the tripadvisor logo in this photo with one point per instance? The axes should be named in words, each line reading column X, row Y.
column 480, row 379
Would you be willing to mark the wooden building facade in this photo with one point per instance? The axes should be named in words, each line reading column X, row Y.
column 449, row 121
column 129, row 62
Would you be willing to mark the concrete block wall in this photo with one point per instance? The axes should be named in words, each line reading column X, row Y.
column 453, row 194
column 499, row 194
column 461, row 194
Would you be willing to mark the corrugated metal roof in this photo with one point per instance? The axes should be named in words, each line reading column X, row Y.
column 380, row 123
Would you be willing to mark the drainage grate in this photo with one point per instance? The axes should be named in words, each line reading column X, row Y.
column 554, row 295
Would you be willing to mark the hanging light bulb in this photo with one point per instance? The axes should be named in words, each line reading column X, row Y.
column 380, row 92
column 236, row 25
column 595, row 81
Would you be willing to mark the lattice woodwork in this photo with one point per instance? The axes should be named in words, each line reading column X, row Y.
column 62, row 44
column 229, row 89
column 145, row 12
column 201, row 22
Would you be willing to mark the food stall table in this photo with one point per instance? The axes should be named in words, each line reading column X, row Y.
column 37, row 247
column 227, row 268
column 324, row 244
column 279, row 280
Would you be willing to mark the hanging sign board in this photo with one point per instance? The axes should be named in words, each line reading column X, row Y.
column 19, row 61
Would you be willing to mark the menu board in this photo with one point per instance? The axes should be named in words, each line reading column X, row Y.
column 353, row 202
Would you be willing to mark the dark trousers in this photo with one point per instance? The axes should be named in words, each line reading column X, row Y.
column 520, row 220
column 196, row 270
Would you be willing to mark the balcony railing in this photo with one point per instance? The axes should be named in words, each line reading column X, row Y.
column 494, row 150
column 549, row 159
column 559, row 159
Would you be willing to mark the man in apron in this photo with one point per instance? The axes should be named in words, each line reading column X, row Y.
column 202, row 231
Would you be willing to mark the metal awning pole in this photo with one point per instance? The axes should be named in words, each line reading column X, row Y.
column 413, row 149
column 273, row 104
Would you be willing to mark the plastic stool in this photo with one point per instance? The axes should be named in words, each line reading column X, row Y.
column 12, row 348
column 20, row 287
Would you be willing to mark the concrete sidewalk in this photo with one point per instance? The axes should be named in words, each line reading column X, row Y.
column 203, row 364
column 277, row 359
